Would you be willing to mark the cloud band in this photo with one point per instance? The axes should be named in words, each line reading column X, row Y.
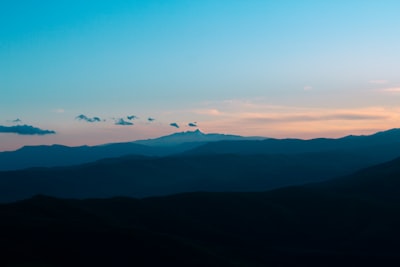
column 24, row 130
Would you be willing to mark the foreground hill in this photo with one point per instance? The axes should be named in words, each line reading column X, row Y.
column 351, row 221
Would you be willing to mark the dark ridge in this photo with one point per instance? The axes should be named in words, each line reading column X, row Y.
column 138, row 176
column 344, row 222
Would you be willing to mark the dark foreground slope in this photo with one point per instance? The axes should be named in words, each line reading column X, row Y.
column 352, row 221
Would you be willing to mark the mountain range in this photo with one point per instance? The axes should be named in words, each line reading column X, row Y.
column 218, row 166
column 198, row 143
column 349, row 221
column 295, row 146
column 231, row 202
column 59, row 155
column 191, row 137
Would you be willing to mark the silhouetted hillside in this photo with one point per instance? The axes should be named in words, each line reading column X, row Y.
column 137, row 176
column 336, row 223
column 381, row 181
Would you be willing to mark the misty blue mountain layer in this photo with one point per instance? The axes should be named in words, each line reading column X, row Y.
column 59, row 155
column 218, row 166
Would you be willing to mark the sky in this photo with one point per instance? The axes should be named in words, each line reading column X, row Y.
column 92, row 72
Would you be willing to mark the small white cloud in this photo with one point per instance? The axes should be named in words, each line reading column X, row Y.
column 59, row 110
column 307, row 88
column 378, row 81
column 210, row 112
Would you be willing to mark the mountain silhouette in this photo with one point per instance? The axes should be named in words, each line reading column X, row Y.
column 235, row 166
column 381, row 181
column 348, row 221
column 193, row 137
column 294, row 146
column 384, row 144
column 59, row 155
column 139, row 176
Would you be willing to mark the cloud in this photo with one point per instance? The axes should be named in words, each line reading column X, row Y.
column 59, row 110
column 174, row 124
column 354, row 117
column 209, row 112
column 87, row 119
column 260, row 117
column 307, row 88
column 132, row 117
column 391, row 90
column 150, row 119
column 122, row 122
column 16, row 120
column 192, row 124
column 378, row 81
column 24, row 130
column 307, row 118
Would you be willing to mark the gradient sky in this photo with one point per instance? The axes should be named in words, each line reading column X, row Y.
column 271, row 68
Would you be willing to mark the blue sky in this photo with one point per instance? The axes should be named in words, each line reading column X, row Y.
column 271, row 68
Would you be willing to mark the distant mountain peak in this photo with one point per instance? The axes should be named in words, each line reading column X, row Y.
column 195, row 132
column 196, row 136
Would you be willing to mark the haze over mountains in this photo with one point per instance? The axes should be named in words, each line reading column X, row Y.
column 59, row 155
column 211, row 204
column 217, row 166
column 99, row 75
column 196, row 143
column 295, row 146
column 196, row 136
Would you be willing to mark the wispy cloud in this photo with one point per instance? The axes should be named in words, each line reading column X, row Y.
column 150, row 119
column 123, row 122
column 16, row 120
column 192, row 124
column 391, row 90
column 24, row 130
column 174, row 124
column 209, row 111
column 282, row 118
column 87, row 119
column 307, row 88
column 378, row 81
column 258, row 117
